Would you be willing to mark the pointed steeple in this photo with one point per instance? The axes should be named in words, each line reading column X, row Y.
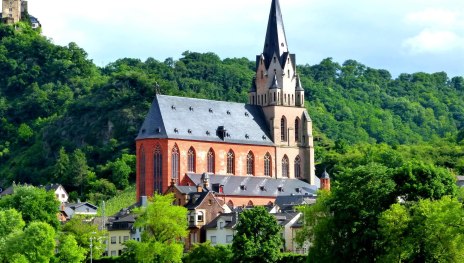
column 275, row 83
column 276, row 42
column 298, row 87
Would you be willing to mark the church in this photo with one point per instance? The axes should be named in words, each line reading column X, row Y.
column 249, row 153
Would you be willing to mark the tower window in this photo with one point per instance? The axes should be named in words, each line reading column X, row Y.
column 275, row 59
column 274, row 96
column 262, row 74
column 283, row 129
column 297, row 167
column 297, row 130
column 285, row 166
column 265, row 98
column 288, row 73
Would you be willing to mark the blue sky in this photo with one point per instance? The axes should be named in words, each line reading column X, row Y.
column 402, row 36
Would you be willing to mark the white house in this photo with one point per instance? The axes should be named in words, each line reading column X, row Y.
column 60, row 192
column 222, row 229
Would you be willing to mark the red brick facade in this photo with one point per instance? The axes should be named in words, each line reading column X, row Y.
column 145, row 186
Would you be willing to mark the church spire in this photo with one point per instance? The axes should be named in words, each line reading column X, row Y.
column 276, row 42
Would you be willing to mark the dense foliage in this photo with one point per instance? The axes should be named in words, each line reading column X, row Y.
column 377, row 213
column 65, row 120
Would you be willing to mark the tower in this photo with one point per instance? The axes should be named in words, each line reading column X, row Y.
column 277, row 89
column 11, row 11
column 325, row 181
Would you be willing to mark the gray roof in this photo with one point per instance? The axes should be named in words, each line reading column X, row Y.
column 230, row 218
column 325, row 175
column 299, row 87
column 276, row 41
column 257, row 185
column 288, row 202
column 205, row 120
column 186, row 189
column 7, row 191
column 284, row 218
column 195, row 199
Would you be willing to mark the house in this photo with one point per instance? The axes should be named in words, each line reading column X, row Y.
column 80, row 208
column 120, row 228
column 222, row 229
column 287, row 220
column 60, row 192
column 266, row 143
column 203, row 206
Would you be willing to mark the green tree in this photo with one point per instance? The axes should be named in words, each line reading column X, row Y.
column 83, row 231
column 258, row 237
column 10, row 221
column 424, row 231
column 36, row 243
column 164, row 225
column 69, row 251
column 206, row 253
column 35, row 204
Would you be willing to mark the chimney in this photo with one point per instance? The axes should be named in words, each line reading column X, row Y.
column 205, row 180
column 143, row 201
column 199, row 188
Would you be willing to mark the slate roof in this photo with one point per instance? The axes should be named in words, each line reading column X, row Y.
column 7, row 191
column 185, row 189
column 284, row 218
column 230, row 219
column 195, row 199
column 288, row 202
column 257, row 185
column 203, row 120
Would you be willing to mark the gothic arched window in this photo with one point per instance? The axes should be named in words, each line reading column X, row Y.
column 231, row 162
column 285, row 166
column 210, row 161
column 297, row 129
column 175, row 164
column 158, row 170
column 267, row 165
column 297, row 167
column 283, row 129
column 191, row 160
column 250, row 163
column 142, row 169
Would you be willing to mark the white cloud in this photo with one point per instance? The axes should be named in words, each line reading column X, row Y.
column 434, row 17
column 430, row 41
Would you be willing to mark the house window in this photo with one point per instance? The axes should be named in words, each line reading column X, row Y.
column 250, row 163
column 229, row 239
column 126, row 238
column 210, row 161
column 175, row 164
column 142, row 172
column 191, row 160
column 213, row 240
column 230, row 162
column 113, row 253
column 62, row 196
column 113, row 240
column 158, row 170
column 120, row 239
column 283, row 129
column 200, row 217
column 221, row 225
column 297, row 129
column 267, row 165
column 285, row 166
column 297, row 167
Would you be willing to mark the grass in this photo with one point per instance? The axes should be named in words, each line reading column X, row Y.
column 122, row 200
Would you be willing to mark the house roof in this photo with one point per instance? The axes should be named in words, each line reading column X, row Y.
column 185, row 189
column 284, row 218
column 195, row 199
column 229, row 218
column 257, row 185
column 288, row 202
column 205, row 120
column 77, row 205
column 7, row 191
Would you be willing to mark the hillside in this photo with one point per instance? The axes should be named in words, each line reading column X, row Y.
column 63, row 119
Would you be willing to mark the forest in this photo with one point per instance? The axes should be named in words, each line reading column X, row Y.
column 65, row 120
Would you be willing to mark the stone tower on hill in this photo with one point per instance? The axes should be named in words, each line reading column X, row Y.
column 11, row 11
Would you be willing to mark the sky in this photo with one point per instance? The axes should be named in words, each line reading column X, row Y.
column 401, row 36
